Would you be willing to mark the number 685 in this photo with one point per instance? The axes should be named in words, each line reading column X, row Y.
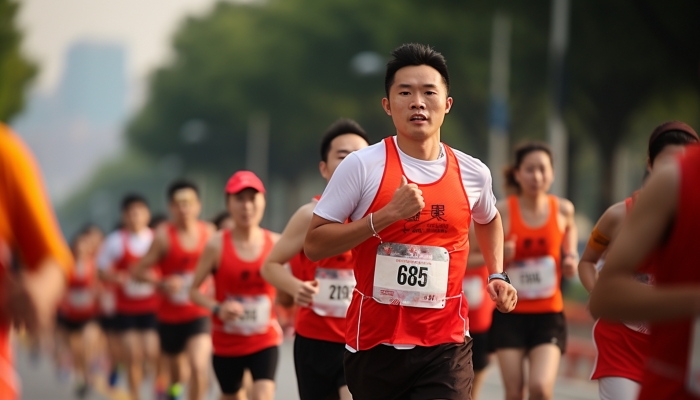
column 412, row 275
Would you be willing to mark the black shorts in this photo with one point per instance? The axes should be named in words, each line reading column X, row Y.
column 108, row 323
column 526, row 331
column 140, row 322
column 481, row 348
column 72, row 325
column 422, row 373
column 229, row 370
column 174, row 337
column 319, row 367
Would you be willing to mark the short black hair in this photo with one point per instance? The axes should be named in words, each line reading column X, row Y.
column 340, row 127
column 410, row 54
column 179, row 185
column 219, row 218
column 156, row 220
column 668, row 138
column 133, row 198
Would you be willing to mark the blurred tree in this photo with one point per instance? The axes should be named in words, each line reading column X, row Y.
column 15, row 70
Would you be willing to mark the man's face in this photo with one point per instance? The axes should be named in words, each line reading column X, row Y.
column 341, row 146
column 417, row 101
column 136, row 217
column 185, row 205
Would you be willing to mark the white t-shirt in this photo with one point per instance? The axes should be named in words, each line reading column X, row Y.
column 356, row 181
column 113, row 248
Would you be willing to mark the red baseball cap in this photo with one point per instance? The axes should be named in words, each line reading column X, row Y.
column 244, row 180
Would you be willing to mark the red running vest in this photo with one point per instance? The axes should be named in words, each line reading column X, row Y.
column 132, row 305
column 80, row 300
column 480, row 304
column 178, row 261
column 235, row 278
column 444, row 222
column 670, row 343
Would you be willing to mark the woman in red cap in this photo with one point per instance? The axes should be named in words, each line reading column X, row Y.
column 622, row 347
column 245, row 334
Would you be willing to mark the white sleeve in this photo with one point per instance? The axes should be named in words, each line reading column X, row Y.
column 344, row 191
column 484, row 208
column 110, row 252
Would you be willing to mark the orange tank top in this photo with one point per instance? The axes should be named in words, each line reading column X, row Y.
column 536, row 269
column 426, row 251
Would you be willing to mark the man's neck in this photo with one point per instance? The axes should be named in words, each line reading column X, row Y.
column 427, row 149
column 186, row 225
column 136, row 231
column 245, row 234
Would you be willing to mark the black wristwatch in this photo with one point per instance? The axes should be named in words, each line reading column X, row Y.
column 215, row 310
column 502, row 276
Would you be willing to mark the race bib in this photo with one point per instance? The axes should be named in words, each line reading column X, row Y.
column 534, row 278
column 138, row 290
column 108, row 303
column 693, row 378
column 411, row 275
column 255, row 319
column 473, row 288
column 183, row 295
column 335, row 287
column 80, row 298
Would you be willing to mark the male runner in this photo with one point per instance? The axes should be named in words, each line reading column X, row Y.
column 411, row 200
column 183, row 327
column 28, row 227
column 136, row 302
column 663, row 222
column 323, row 290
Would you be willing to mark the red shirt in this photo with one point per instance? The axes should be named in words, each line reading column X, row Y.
column 443, row 223
column 240, row 280
column 134, row 298
column 80, row 301
column 671, row 343
column 179, row 309
column 480, row 304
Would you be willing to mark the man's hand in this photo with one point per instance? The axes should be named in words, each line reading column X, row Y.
column 504, row 294
column 230, row 310
column 305, row 292
column 569, row 266
column 407, row 201
column 173, row 284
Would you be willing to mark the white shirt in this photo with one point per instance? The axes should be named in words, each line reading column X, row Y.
column 356, row 181
column 113, row 248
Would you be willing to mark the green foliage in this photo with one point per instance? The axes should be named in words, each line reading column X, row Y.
column 15, row 70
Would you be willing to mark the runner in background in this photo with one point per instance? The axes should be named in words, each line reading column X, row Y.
column 223, row 221
column 322, row 289
column 77, row 313
column 246, row 334
column 183, row 327
column 28, row 230
column 663, row 224
column 622, row 347
column 540, row 248
column 136, row 302
column 480, row 312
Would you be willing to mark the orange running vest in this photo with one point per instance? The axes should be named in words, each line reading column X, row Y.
column 444, row 222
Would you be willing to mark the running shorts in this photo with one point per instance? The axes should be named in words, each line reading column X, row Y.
column 422, row 373
column 481, row 348
column 229, row 370
column 108, row 323
column 526, row 331
column 72, row 325
column 174, row 337
column 140, row 322
column 319, row 368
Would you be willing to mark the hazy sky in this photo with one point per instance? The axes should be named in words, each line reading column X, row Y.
column 143, row 26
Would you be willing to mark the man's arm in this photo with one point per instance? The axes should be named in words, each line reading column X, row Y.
column 159, row 247
column 570, row 243
column 605, row 229
column 490, row 239
column 475, row 259
column 207, row 262
column 617, row 294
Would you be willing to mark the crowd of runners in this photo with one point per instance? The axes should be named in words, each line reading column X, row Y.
column 402, row 280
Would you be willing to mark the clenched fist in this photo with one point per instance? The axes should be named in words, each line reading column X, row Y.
column 407, row 200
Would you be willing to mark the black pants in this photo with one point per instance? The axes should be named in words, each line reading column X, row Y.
column 229, row 370
column 319, row 368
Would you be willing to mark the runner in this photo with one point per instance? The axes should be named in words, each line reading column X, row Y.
column 480, row 312
column 322, row 290
column 663, row 223
column 246, row 334
column 223, row 220
column 77, row 312
column 183, row 327
column 540, row 249
column 622, row 347
column 411, row 198
column 136, row 302
column 30, row 296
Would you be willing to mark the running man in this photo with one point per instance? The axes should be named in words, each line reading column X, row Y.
column 662, row 224
column 136, row 302
column 246, row 334
column 183, row 327
column 28, row 227
column 411, row 200
column 540, row 249
column 622, row 347
column 323, row 289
